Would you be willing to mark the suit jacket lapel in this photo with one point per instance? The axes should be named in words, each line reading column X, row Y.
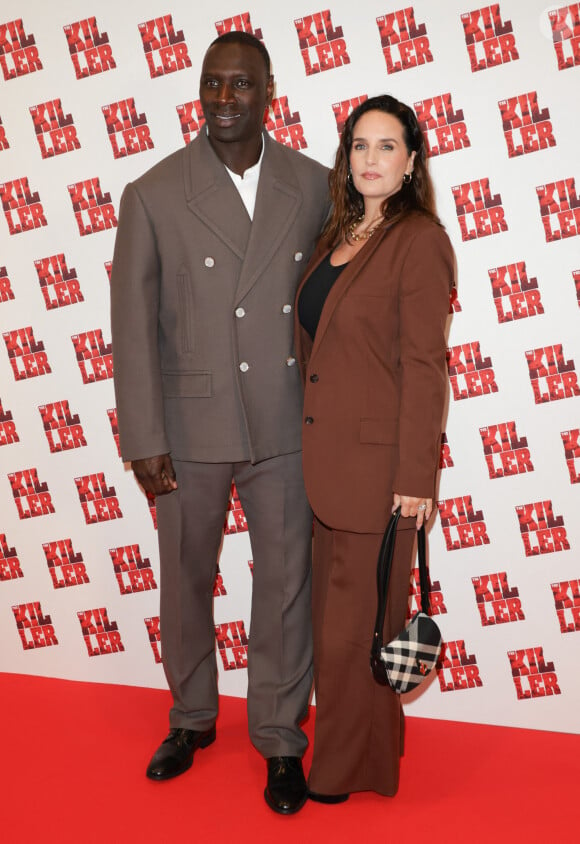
column 278, row 202
column 212, row 196
column 342, row 284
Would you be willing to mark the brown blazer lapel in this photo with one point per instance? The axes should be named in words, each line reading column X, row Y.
column 278, row 202
column 342, row 284
column 211, row 195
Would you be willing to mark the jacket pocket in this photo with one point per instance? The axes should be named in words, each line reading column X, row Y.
column 185, row 316
column 379, row 431
column 187, row 385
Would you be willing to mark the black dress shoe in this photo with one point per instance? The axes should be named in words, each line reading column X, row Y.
column 286, row 790
column 175, row 755
column 327, row 798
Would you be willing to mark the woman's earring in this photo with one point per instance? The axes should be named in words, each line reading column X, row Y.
column 407, row 178
column 349, row 177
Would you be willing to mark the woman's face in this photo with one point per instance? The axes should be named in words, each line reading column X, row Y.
column 378, row 156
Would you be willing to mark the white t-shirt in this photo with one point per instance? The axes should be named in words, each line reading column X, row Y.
column 247, row 184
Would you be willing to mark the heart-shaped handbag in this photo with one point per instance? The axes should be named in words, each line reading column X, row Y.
column 407, row 659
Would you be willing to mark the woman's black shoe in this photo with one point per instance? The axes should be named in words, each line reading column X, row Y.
column 327, row 798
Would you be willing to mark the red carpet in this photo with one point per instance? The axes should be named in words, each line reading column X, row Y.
column 74, row 756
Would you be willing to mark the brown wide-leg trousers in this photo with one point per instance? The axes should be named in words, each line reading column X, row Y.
column 359, row 728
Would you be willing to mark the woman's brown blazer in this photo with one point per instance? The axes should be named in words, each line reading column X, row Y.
column 375, row 377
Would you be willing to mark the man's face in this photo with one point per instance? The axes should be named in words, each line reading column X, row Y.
column 234, row 91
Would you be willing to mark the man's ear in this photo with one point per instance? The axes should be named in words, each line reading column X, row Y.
column 270, row 89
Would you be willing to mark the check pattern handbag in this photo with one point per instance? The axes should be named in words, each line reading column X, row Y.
column 406, row 660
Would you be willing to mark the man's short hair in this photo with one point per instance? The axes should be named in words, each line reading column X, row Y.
column 248, row 40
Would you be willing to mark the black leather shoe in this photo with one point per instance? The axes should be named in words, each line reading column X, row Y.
column 327, row 798
column 286, row 790
column 175, row 755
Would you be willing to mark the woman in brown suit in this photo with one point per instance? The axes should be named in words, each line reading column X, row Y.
column 370, row 339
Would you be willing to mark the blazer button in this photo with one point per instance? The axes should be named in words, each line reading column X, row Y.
column 244, row 366
column 209, row 262
column 298, row 256
column 290, row 361
column 314, row 377
column 309, row 420
column 286, row 309
column 240, row 312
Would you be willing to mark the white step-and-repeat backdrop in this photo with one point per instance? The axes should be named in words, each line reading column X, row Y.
column 93, row 94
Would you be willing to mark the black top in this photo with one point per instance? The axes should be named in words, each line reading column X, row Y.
column 313, row 294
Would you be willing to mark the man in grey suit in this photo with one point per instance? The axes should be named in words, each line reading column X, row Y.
column 211, row 244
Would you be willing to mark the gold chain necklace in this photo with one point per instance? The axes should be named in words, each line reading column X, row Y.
column 363, row 235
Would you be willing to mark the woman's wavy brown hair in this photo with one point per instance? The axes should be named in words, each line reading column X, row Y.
column 347, row 202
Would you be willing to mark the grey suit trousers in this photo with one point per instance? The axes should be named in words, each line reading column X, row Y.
column 190, row 522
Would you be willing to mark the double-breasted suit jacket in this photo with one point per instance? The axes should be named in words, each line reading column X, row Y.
column 375, row 377
column 202, row 306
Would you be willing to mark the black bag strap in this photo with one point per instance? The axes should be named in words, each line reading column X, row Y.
column 384, row 572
